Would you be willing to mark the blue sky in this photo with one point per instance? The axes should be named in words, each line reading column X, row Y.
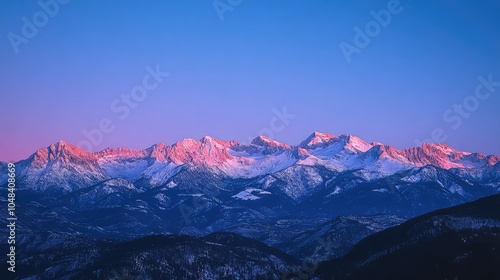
column 227, row 78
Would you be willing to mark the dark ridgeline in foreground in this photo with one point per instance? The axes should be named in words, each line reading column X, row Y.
column 215, row 256
column 462, row 242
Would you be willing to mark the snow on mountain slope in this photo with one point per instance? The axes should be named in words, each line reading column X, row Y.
column 65, row 166
column 350, row 152
column 298, row 181
column 444, row 156
column 250, row 194
column 158, row 173
column 61, row 166
column 208, row 151
column 318, row 140
column 485, row 174
column 253, row 165
column 264, row 141
column 354, row 143
column 123, row 163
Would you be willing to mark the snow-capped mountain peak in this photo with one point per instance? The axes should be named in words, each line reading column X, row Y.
column 354, row 143
column 222, row 144
column 302, row 153
column 59, row 151
column 318, row 139
column 264, row 156
column 158, row 152
column 117, row 153
column 268, row 142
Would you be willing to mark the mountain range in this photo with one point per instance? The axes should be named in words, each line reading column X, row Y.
column 333, row 190
column 262, row 157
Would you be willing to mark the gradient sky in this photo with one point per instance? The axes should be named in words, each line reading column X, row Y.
column 227, row 76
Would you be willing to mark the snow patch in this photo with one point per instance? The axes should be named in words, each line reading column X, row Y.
column 250, row 194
